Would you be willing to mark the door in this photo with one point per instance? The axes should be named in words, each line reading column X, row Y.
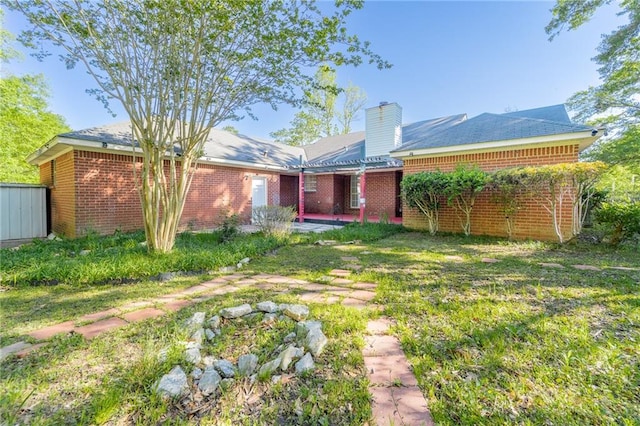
column 258, row 193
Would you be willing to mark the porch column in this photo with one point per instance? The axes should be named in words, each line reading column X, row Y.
column 301, row 196
column 362, row 200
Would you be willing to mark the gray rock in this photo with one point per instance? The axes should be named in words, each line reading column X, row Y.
column 297, row 312
column 239, row 265
column 290, row 337
column 305, row 364
column 225, row 368
column 209, row 381
column 196, row 373
column 270, row 318
column 209, row 361
column 163, row 354
column 315, row 341
column 198, row 336
column 288, row 355
column 209, row 334
column 247, row 364
column 227, row 269
column 84, row 252
column 253, row 378
column 303, row 328
column 276, row 379
column 283, row 306
column 236, row 311
column 214, row 322
column 245, row 260
column 196, row 321
column 269, row 367
column 167, row 276
column 173, row 384
column 192, row 355
column 267, row 306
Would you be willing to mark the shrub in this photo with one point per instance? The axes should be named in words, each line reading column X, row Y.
column 620, row 219
column 425, row 191
column 463, row 186
column 229, row 226
column 274, row 220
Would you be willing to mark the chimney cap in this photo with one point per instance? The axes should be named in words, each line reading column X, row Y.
column 383, row 103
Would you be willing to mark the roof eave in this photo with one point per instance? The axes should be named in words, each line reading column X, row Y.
column 584, row 140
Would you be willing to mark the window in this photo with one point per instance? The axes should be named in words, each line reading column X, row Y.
column 354, row 195
column 310, row 183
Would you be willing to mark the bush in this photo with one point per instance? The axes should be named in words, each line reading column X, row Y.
column 620, row 219
column 274, row 220
column 229, row 226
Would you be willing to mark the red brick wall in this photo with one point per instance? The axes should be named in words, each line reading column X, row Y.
column 532, row 221
column 380, row 194
column 289, row 191
column 105, row 197
column 63, row 217
column 322, row 201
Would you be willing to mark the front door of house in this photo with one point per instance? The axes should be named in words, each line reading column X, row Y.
column 258, row 193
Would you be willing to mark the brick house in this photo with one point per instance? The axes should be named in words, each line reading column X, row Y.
column 340, row 178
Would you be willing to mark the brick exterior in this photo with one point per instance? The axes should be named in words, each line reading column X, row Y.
column 95, row 191
column 532, row 221
column 289, row 191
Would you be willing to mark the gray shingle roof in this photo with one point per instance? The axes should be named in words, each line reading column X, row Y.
column 552, row 113
column 489, row 127
column 220, row 145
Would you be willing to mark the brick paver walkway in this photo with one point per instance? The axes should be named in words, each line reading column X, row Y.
column 396, row 398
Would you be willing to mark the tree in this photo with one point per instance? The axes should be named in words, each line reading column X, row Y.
column 425, row 191
column 25, row 120
column 320, row 114
column 616, row 101
column 463, row 186
column 179, row 68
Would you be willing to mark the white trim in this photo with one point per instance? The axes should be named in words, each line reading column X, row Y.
column 584, row 139
column 40, row 156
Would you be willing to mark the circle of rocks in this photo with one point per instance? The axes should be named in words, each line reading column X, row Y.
column 208, row 374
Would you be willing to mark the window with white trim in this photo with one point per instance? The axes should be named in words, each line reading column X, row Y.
column 310, row 183
column 354, row 195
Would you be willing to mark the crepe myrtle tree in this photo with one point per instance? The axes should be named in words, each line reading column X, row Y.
column 181, row 67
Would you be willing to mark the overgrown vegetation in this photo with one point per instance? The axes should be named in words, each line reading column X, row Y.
column 463, row 186
column 620, row 220
column 274, row 220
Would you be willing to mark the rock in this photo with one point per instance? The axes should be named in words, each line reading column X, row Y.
column 173, row 384
column 209, row 361
column 288, row 355
column 162, row 354
column 209, row 334
column 270, row 318
column 297, row 312
column 209, row 381
column 192, row 355
column 269, row 367
column 84, row 252
column 283, row 306
column 196, row 321
column 196, row 373
column 225, row 368
column 236, row 311
column 276, row 379
column 143, row 244
column 214, row 322
column 290, row 337
column 252, row 378
column 305, row 364
column 245, row 260
column 51, row 236
column 247, row 364
column 252, row 316
column 239, row 265
column 227, row 269
column 303, row 328
column 315, row 341
column 267, row 306
column 198, row 335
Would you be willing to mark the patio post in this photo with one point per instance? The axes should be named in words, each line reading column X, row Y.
column 363, row 199
column 301, row 196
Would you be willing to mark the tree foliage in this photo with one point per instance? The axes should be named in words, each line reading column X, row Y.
column 462, row 187
column 425, row 191
column 321, row 115
column 25, row 120
column 179, row 68
column 616, row 101
column 507, row 187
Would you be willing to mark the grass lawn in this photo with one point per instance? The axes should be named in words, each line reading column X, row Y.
column 490, row 343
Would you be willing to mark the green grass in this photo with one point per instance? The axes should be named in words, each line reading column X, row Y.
column 504, row 343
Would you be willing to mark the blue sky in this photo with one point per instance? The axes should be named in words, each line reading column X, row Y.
column 449, row 57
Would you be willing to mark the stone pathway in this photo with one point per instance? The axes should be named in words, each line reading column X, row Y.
column 396, row 397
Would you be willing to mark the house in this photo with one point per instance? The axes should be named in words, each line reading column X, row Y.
column 347, row 177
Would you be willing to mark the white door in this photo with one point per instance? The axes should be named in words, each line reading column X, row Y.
column 258, row 192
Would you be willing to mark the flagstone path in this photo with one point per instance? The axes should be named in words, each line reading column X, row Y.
column 396, row 399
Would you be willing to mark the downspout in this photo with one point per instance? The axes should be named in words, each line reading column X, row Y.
column 301, row 193
column 362, row 200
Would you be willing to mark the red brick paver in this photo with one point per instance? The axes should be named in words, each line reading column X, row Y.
column 176, row 305
column 48, row 332
column 92, row 330
column 399, row 406
column 100, row 315
column 383, row 345
column 142, row 314
column 389, row 370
